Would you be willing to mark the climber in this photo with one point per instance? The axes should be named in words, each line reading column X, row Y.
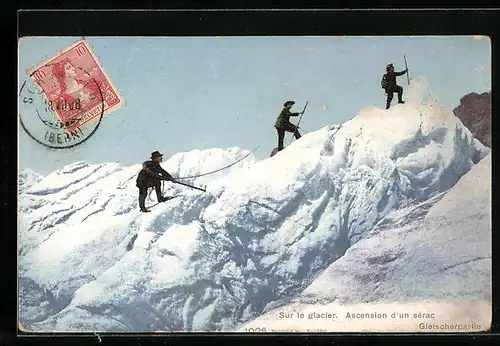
column 150, row 176
column 390, row 85
column 283, row 123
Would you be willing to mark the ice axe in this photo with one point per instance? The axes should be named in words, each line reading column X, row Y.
column 407, row 72
column 300, row 118
column 178, row 182
column 191, row 186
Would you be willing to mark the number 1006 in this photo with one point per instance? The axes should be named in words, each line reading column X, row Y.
column 255, row 330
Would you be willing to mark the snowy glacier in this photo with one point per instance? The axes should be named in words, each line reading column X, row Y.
column 28, row 178
column 263, row 234
column 433, row 257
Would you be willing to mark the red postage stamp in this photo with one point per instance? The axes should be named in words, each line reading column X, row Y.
column 76, row 89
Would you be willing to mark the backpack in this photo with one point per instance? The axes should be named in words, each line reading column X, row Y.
column 384, row 83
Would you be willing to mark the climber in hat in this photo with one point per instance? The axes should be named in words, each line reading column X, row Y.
column 391, row 85
column 283, row 123
column 150, row 176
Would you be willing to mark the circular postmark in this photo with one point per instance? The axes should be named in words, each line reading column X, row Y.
column 60, row 105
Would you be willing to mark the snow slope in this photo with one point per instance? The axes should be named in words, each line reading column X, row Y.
column 28, row 178
column 260, row 235
column 434, row 257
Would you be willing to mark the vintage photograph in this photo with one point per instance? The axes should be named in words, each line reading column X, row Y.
column 254, row 184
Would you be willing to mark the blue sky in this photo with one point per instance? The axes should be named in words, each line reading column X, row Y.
column 184, row 93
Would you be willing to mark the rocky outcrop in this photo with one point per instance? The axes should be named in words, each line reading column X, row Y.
column 475, row 112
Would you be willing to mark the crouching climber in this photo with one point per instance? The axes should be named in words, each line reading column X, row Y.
column 151, row 175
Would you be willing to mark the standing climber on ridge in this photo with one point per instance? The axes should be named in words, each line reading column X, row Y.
column 283, row 123
column 390, row 85
column 150, row 176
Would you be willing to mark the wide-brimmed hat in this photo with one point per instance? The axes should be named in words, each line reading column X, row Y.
column 156, row 154
column 288, row 103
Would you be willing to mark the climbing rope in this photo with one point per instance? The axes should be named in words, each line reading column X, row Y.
column 220, row 169
column 201, row 175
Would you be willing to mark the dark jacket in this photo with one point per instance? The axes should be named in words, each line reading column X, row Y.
column 151, row 174
column 391, row 79
column 284, row 118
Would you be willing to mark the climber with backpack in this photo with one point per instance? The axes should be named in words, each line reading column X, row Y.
column 389, row 84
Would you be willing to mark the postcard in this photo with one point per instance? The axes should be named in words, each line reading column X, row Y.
column 262, row 184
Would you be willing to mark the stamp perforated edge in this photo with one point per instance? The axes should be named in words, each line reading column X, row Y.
column 47, row 61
